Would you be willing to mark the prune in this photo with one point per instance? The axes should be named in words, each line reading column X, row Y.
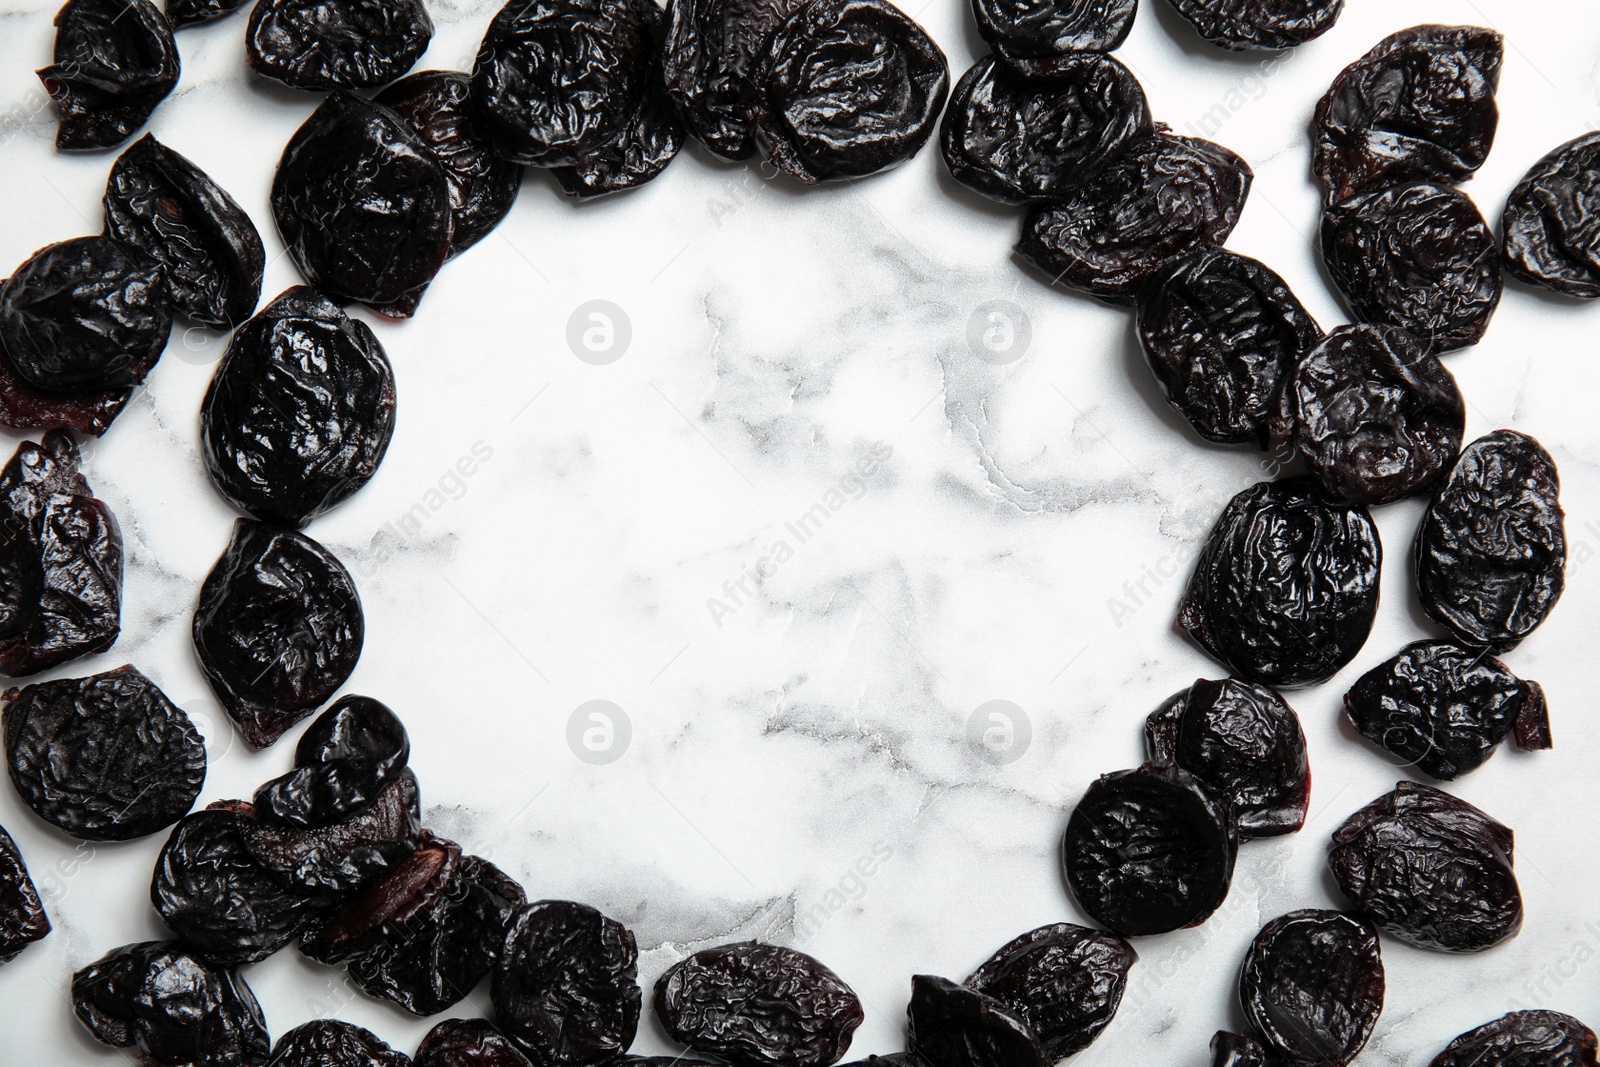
column 105, row 758
column 174, row 1009
column 24, row 406
column 751, row 1003
column 1312, row 986
column 566, row 985
column 278, row 629
column 1166, row 198
column 1221, row 332
column 341, row 762
column 1419, row 107
column 1236, row 1050
column 22, row 917
column 953, row 1026
column 1532, row 726
column 1030, row 135
column 1149, row 850
column 711, row 49
column 162, row 204
column 183, row 13
column 362, row 203
column 1430, row 870
column 1064, row 981
column 115, row 60
column 468, row 1043
column 334, row 1043
column 847, row 88
column 1240, row 25
column 1491, row 552
column 336, row 44
column 1286, row 586
column 1375, row 416
column 346, row 856
column 85, row 315
column 1548, row 223
column 1016, row 28
column 1523, row 1039
column 60, row 561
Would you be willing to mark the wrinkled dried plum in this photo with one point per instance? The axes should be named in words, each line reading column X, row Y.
column 1523, row 1039
column 1532, row 726
column 336, row 44
column 22, row 917
column 1236, row 1050
column 334, row 1043
column 711, row 49
column 1166, row 198
column 566, row 985
column 346, row 856
column 1491, row 552
column 1418, row 107
column 183, row 13
column 24, row 406
column 1064, row 981
column 1149, row 850
column 1429, row 869
column 278, row 629
column 756, row 1003
column 468, row 1043
column 174, row 1009
column 1549, row 225
column 341, row 762
column 1221, row 332
column 115, row 60
column 953, row 1026
column 1247, row 24
column 1017, row 28
column 1286, row 586
column 1312, row 986
column 847, row 88
column 105, row 758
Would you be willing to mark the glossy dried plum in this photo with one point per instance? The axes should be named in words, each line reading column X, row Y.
column 1166, row 198
column 1532, row 726
column 172, row 1008
column 1236, row 1050
column 1550, row 235
column 336, row 44
column 1149, row 851
column 1054, row 27
column 847, row 88
column 24, row 406
column 1286, row 586
column 468, row 1043
column 1221, row 332
column 115, row 60
column 1312, row 986
column 342, row 761
column 334, row 1043
column 953, row 1026
column 346, row 856
column 1374, row 415
column 711, row 49
column 1240, row 25
column 1491, row 552
column 1523, row 1039
column 278, row 629
column 22, row 917
column 385, row 909
column 1029, row 136
column 1419, row 106
column 1429, row 869
column 566, row 985
column 752, row 1003
column 183, row 13
column 1064, row 981
column 104, row 758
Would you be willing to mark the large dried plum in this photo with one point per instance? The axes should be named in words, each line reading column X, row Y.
column 1064, row 981
column 1240, row 25
column 342, row 761
column 1523, row 1039
column 1018, row 28
column 1312, row 986
column 334, row 1043
column 954, row 1026
column 336, row 44
column 711, row 49
column 468, row 1043
column 115, row 60
column 1549, row 221
column 348, row 855
column 22, row 917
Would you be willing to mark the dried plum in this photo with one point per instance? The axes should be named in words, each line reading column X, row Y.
column 1240, row 25
column 1064, row 981
column 1221, row 332
column 346, row 856
column 468, row 1043
column 1166, row 198
column 953, row 1026
column 1532, row 726
column 172, row 1008
column 1429, row 869
column 754, row 1003
column 1236, row 1050
column 278, row 629
column 1491, row 552
column 847, row 88
column 1149, row 850
column 183, row 13
column 1418, row 107
column 22, row 917
column 341, row 762
column 1523, row 1039
column 1312, row 986
column 1549, row 221
column 711, row 49
column 566, row 985
column 1286, row 586
column 115, row 60
column 105, row 758
column 336, row 44
column 1030, row 135
column 1016, row 28
column 24, row 406
column 334, row 1043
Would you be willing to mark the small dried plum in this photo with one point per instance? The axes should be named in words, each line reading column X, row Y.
column 24, row 406
column 1549, row 227
column 752, row 1003
column 1429, row 869
column 711, row 49
column 334, row 1043
column 1312, row 986
column 22, row 917
column 341, row 763
column 1017, row 28
column 953, row 1026
column 1523, row 1039
column 1532, row 726
column 346, row 856
column 115, row 60
column 183, row 13
column 1236, row 1050
column 1149, row 851
column 1064, row 981
column 468, row 1043
column 336, row 44
column 1240, row 25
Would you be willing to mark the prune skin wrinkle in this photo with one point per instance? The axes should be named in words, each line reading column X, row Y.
column 954, row 1026
column 469, row 1043
column 22, row 917
column 115, row 60
column 336, row 44
column 1064, row 981
column 1149, row 850
column 1245, row 25
column 1551, row 239
column 1286, row 586
column 334, row 1043
column 1429, row 869
column 340, row 859
column 1523, row 1039
column 1027, row 28
column 1312, row 986
column 183, row 13
column 341, row 763
column 1491, row 551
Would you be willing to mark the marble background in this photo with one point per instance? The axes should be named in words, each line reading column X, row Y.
column 997, row 531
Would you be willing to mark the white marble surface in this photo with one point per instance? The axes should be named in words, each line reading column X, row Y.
column 780, row 337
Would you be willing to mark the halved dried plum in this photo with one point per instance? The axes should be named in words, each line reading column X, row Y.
column 953, row 1026
column 183, row 13
column 1236, row 1050
column 1312, row 986
column 468, row 1043
column 711, row 48
column 115, row 60
column 1523, row 1039
column 1064, row 981
column 1548, row 223
column 334, row 1043
column 22, row 917
column 24, row 406
column 1017, row 28
column 342, row 761
column 1240, row 25
column 336, row 44
column 346, row 856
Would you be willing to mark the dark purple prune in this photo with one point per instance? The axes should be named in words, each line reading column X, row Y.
column 752, row 1003
column 172, row 1008
column 104, row 758
column 847, row 88
column 468, row 1043
column 1021, row 28
column 566, row 985
column 1312, row 986
column 24, row 406
column 1550, row 235
column 1240, row 25
column 162, row 204
column 278, row 629
column 1523, row 1039
column 1532, row 726
column 346, row 856
column 1429, row 869
column 334, row 1043
column 1286, row 586
column 1491, row 552
column 115, row 60
column 1064, row 981
column 22, row 917
column 341, row 763
column 183, row 13
column 1236, row 1050
column 1375, row 415
column 336, row 44
column 1419, row 107
column 954, row 1026
column 1166, row 198
column 60, row 561
column 1221, row 332
column 1029, row 135
column 1149, row 851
